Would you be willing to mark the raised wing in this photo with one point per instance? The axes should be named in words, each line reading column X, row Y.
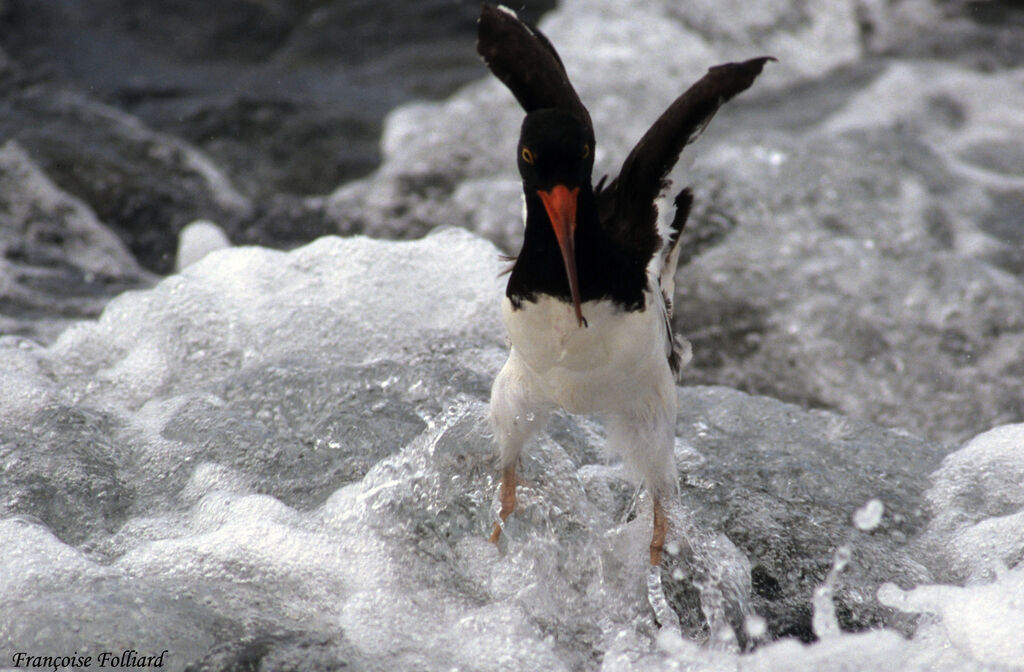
column 520, row 56
column 632, row 218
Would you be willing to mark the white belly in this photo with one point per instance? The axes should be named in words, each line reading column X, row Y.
column 616, row 362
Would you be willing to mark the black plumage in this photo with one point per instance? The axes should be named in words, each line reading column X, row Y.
column 616, row 232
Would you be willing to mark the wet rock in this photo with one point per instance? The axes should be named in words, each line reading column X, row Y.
column 59, row 263
column 286, row 97
column 144, row 185
column 783, row 484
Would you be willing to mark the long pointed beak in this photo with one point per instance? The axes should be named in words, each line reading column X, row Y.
column 560, row 204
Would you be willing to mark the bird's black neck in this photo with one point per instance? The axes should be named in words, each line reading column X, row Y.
column 606, row 270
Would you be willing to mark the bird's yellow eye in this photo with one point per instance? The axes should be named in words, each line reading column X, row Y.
column 586, row 150
column 527, row 155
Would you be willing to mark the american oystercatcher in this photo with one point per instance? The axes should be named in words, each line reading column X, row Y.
column 589, row 299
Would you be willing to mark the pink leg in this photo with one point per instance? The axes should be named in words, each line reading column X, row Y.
column 508, row 499
column 659, row 534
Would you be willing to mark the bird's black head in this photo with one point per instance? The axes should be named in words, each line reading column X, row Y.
column 556, row 158
column 555, row 147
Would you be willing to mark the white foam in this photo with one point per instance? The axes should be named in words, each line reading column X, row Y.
column 395, row 562
column 979, row 624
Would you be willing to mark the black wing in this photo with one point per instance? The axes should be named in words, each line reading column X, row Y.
column 520, row 56
column 630, row 214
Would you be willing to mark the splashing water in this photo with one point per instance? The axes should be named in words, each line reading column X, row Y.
column 703, row 559
column 663, row 613
column 824, row 621
column 869, row 516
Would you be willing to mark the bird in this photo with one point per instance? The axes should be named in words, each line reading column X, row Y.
column 588, row 304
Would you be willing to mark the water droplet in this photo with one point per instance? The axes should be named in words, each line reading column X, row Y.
column 756, row 626
column 891, row 596
column 869, row 516
column 842, row 558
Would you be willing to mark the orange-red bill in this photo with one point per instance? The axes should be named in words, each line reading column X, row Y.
column 560, row 204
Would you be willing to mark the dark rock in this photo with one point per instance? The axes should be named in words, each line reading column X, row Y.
column 145, row 185
column 287, row 97
column 59, row 262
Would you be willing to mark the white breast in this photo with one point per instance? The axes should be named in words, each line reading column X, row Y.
column 615, row 362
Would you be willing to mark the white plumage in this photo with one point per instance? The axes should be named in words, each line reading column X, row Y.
column 617, row 367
